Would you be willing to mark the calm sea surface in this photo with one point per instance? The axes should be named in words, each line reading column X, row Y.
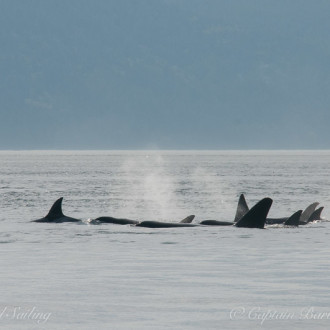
column 83, row 276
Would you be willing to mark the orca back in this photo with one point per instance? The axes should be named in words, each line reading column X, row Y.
column 256, row 217
column 55, row 214
column 316, row 215
column 188, row 219
column 308, row 212
column 216, row 223
column 242, row 208
column 294, row 219
column 117, row 221
column 159, row 224
column 55, row 211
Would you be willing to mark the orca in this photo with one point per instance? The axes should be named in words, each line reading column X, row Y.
column 254, row 218
column 308, row 215
column 186, row 222
column 188, row 219
column 316, row 215
column 241, row 210
column 216, row 223
column 294, row 220
column 120, row 221
column 55, row 214
column 117, row 221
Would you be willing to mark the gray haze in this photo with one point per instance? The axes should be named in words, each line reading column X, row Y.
column 174, row 74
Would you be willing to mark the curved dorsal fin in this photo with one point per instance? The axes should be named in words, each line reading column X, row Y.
column 56, row 210
column 242, row 208
column 308, row 212
column 316, row 215
column 189, row 219
column 294, row 219
column 256, row 217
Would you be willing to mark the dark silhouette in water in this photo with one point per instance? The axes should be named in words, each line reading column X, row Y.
column 186, row 222
column 155, row 224
column 55, row 214
column 254, row 218
column 117, row 221
column 241, row 210
column 308, row 215
column 294, row 219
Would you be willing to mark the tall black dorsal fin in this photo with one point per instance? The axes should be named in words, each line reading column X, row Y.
column 242, row 208
column 294, row 219
column 256, row 217
column 56, row 210
column 308, row 212
column 316, row 215
column 189, row 219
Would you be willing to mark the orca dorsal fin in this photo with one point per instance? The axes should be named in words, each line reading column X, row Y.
column 294, row 219
column 56, row 210
column 242, row 208
column 189, row 219
column 256, row 217
column 308, row 212
column 316, row 215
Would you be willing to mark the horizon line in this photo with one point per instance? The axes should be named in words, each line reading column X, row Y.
column 155, row 150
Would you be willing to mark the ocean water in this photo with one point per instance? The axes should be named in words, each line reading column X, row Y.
column 83, row 276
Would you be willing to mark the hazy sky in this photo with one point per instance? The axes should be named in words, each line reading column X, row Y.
column 167, row 74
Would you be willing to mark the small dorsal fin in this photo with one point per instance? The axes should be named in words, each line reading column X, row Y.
column 189, row 219
column 242, row 208
column 308, row 212
column 294, row 219
column 56, row 210
column 256, row 217
column 316, row 215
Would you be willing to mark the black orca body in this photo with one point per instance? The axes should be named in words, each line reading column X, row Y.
column 150, row 224
column 241, row 210
column 55, row 214
column 254, row 218
column 276, row 221
column 294, row 220
column 216, row 223
column 316, row 215
column 159, row 224
column 186, row 222
column 117, row 221
column 310, row 214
